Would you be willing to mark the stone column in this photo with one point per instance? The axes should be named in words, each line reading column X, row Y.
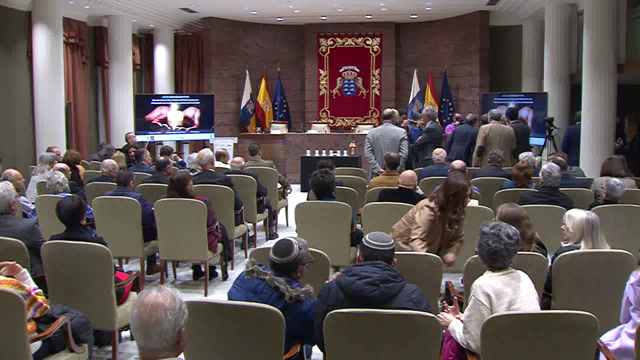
column 120, row 78
column 532, row 55
column 163, row 65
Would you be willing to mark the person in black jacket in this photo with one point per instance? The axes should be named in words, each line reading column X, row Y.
column 549, row 193
column 521, row 130
column 109, row 170
column 440, row 166
column 632, row 148
column 74, row 187
column 406, row 191
column 567, row 180
column 163, row 172
column 431, row 139
column 462, row 141
column 496, row 158
column 71, row 212
column 372, row 282
column 143, row 162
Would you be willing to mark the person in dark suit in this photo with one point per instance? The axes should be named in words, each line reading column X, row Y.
column 611, row 193
column 567, row 180
column 439, row 168
column 71, row 212
column 143, row 162
column 25, row 230
column 168, row 151
column 496, row 158
column 462, row 141
column 406, row 191
column 549, row 193
column 521, row 130
column 631, row 148
column 125, row 186
column 163, row 172
column 109, row 171
column 430, row 140
column 571, row 142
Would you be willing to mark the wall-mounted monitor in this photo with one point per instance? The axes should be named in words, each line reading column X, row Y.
column 532, row 109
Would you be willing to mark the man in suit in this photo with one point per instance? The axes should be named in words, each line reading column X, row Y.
column 549, row 193
column 383, row 139
column 14, row 226
column 430, row 140
column 125, row 187
column 143, row 162
column 567, row 180
column 406, row 191
column 390, row 176
column 571, row 142
column 439, row 168
column 168, row 151
column 459, row 144
column 255, row 151
column 163, row 172
column 109, row 171
column 521, row 130
column 495, row 136
column 17, row 180
column 496, row 158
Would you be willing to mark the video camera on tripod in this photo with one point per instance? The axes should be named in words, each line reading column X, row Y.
column 552, row 130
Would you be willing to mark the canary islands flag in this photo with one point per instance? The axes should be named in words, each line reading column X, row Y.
column 430, row 97
column 280, row 104
column 264, row 110
column 447, row 108
column 248, row 107
column 415, row 99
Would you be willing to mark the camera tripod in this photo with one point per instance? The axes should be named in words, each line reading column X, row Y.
column 550, row 140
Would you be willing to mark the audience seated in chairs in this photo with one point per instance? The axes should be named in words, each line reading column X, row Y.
column 57, row 184
column 192, row 164
column 323, row 184
column 390, row 176
column 46, row 161
column 516, row 216
column 520, row 177
column 580, row 231
column 549, row 192
column 574, row 171
column 169, row 152
column 109, row 170
column 73, row 159
column 500, row 289
column 494, row 169
column 55, row 150
column 373, row 282
column 461, row 167
column 103, row 152
column 279, row 286
column 181, row 186
column 612, row 191
column 613, row 167
column 72, row 212
column 406, row 191
column 531, row 160
column 143, row 162
column 222, row 159
column 158, row 322
column 256, row 160
column 440, row 166
column 567, row 180
column 17, row 180
column 74, row 188
column 163, row 172
column 436, row 225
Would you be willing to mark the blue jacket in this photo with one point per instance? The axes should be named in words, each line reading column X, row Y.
column 571, row 144
column 461, row 143
column 259, row 284
column 143, row 168
column 148, row 218
column 439, row 169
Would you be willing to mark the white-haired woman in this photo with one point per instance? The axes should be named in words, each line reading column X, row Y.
column 40, row 173
column 58, row 184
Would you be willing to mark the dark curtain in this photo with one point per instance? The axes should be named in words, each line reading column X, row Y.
column 147, row 68
column 189, row 70
column 137, row 61
column 102, row 61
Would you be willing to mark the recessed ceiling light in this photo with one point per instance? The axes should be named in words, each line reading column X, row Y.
column 381, row 4
column 279, row 19
column 151, row 25
column 427, row 8
column 368, row 16
column 72, row 2
column 134, row 20
column 414, row 16
column 339, row 9
column 87, row 6
column 254, row 12
column 296, row 11
column 290, row 6
column 323, row 17
column 383, row 9
column 193, row 5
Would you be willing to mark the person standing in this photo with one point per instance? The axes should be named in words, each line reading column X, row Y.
column 430, row 140
column 571, row 142
column 383, row 139
column 460, row 143
column 521, row 131
column 495, row 136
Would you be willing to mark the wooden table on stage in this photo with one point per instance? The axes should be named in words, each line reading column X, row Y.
column 285, row 149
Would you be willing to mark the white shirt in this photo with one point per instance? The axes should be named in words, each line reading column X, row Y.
column 219, row 164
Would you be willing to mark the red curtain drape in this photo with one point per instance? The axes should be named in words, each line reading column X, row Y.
column 76, row 49
column 102, row 61
column 147, row 46
column 189, row 70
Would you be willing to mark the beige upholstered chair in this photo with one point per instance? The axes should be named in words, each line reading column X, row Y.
column 636, row 179
column 334, row 240
column 90, row 174
column 630, row 196
column 381, row 216
column 214, row 327
column 80, row 276
column 349, row 196
column 374, row 194
column 501, row 335
column 85, row 164
column 96, row 189
column 41, row 188
column 508, row 169
column 578, row 276
column 268, row 177
column 547, row 220
column 14, row 250
column 320, row 127
column 14, row 339
column 428, row 185
column 222, row 200
column 475, row 216
column 138, row 177
column 620, row 226
column 281, row 126
column 351, row 171
column 152, row 192
column 47, row 219
column 119, row 222
column 588, row 180
column 247, row 188
column 221, row 170
column 349, row 334
column 582, row 198
column 470, row 172
column 358, row 184
column 94, row 165
column 187, row 242
column 425, row 271
column 488, row 187
column 508, row 196
column 315, row 274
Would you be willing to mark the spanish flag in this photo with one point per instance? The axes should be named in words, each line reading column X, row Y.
column 264, row 110
column 430, row 96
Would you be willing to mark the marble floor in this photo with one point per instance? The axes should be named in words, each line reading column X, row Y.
column 217, row 288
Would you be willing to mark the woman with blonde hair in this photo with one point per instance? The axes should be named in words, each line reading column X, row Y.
column 516, row 216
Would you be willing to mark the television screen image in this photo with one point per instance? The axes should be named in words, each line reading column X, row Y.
column 174, row 117
column 532, row 109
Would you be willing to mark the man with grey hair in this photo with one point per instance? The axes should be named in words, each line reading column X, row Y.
column 531, row 160
column 58, row 184
column 383, row 139
column 108, row 172
column 612, row 191
column 549, row 193
column 495, row 136
column 143, row 162
column 496, row 159
column 158, row 323
column 14, row 226
column 46, row 161
column 431, row 139
column 192, row 164
column 17, row 180
column 439, row 168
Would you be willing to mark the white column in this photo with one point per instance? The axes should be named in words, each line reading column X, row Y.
column 599, row 85
column 557, row 55
column 163, row 65
column 48, row 74
column 532, row 55
column 120, row 78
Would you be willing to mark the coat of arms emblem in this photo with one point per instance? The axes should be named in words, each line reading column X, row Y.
column 349, row 84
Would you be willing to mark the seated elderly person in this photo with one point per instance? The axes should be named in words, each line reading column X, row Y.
column 57, row 184
column 143, row 162
column 163, row 172
column 192, row 164
column 40, row 173
column 222, row 159
column 549, row 192
column 567, row 180
column 104, row 151
column 169, row 152
column 74, row 188
column 501, row 289
column 611, row 193
column 613, row 167
column 531, row 160
column 439, row 168
column 406, row 191
column 15, row 178
column 494, row 169
column 109, row 170
column 390, row 176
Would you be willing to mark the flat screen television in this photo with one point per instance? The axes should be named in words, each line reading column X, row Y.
column 532, row 108
column 174, row 117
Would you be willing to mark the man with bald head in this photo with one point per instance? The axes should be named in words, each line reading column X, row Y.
column 406, row 191
column 440, row 166
column 390, row 176
column 74, row 187
column 109, row 170
column 15, row 178
column 384, row 139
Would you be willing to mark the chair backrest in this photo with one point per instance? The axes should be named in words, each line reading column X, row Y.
column 138, row 177
column 268, row 177
column 470, row 172
column 247, row 187
column 473, row 219
column 315, row 274
column 221, row 170
column 85, row 164
column 588, row 180
column 119, row 222
column 582, row 198
column 96, row 189
column 222, row 200
column 231, row 319
column 531, row 263
column 347, row 334
column 425, row 271
column 351, row 171
column 547, row 220
column 188, row 241
column 508, row 169
column 381, row 216
column 508, row 196
column 80, row 276
column 47, row 219
column 630, row 196
column 41, row 188
column 374, row 194
column 152, row 192
column 14, row 250
column 348, row 196
column 358, row 184
column 549, row 335
column 94, row 165
column 636, row 179
column 579, row 275
column 619, row 226
column 90, row 174
column 14, row 339
column 428, row 185
column 488, row 187
column 334, row 240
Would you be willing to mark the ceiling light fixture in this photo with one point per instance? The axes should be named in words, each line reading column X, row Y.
column 413, row 16
column 134, row 20
column 323, row 17
column 340, row 10
column 254, row 12
column 383, row 9
column 296, row 11
column 428, row 8
column 193, row 5
column 368, row 16
column 381, row 4
column 279, row 19
column 151, row 25
column 72, row 2
column 87, row 6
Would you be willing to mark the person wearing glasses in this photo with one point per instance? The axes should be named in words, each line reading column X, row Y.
column 279, row 285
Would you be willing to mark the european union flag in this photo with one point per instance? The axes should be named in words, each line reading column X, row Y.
column 447, row 109
column 280, row 104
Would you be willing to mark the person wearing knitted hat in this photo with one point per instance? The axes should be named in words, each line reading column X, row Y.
column 372, row 282
column 279, row 286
